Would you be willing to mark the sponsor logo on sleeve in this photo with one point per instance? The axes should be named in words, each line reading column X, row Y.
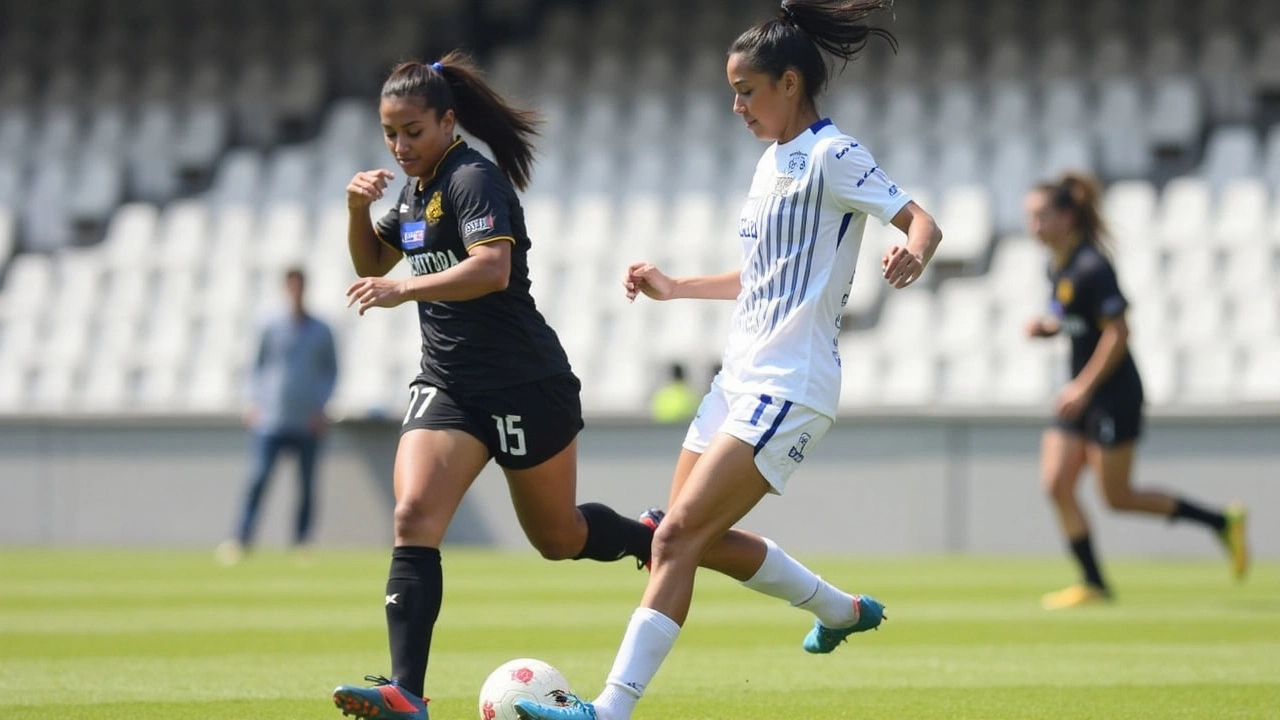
column 478, row 226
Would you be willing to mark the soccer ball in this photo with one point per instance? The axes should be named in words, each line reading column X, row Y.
column 522, row 679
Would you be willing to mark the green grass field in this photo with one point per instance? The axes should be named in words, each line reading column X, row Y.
column 170, row 635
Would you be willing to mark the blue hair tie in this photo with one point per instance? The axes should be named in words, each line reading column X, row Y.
column 437, row 67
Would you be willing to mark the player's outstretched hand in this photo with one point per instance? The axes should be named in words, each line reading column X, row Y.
column 901, row 266
column 371, row 292
column 1040, row 328
column 647, row 279
column 367, row 187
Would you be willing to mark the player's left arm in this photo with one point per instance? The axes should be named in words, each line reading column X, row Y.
column 923, row 237
column 1102, row 297
column 860, row 185
column 1113, row 344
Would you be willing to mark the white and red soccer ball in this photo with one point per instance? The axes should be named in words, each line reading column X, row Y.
column 522, row 679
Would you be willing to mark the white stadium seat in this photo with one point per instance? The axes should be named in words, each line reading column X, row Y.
column 965, row 215
column 1241, row 216
column 860, row 370
column 1232, row 152
column 967, row 377
column 1183, row 215
column 1260, row 382
column 1209, row 375
column 1025, row 376
column 966, row 318
column 1158, row 364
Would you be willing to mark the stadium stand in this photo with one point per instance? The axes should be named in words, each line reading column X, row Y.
column 153, row 183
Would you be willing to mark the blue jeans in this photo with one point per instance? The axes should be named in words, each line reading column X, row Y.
column 266, row 446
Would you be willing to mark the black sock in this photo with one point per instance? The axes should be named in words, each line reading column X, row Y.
column 612, row 537
column 415, row 586
column 1186, row 510
column 1083, row 550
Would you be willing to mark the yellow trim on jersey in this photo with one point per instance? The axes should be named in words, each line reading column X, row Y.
column 486, row 241
column 422, row 182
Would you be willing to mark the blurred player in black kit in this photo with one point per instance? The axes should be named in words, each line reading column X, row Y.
column 1100, row 412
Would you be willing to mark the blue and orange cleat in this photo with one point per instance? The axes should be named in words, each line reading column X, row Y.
column 384, row 701
column 822, row 639
column 650, row 518
column 574, row 710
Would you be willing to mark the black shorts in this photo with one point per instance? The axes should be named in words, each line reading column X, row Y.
column 522, row 426
column 1111, row 418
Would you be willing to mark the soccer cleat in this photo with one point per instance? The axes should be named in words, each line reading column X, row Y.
column 1075, row 596
column 1236, row 541
column 650, row 518
column 574, row 710
column 822, row 639
column 384, row 701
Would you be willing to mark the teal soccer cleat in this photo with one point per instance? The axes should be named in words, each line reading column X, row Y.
column 384, row 701
column 574, row 710
column 822, row 640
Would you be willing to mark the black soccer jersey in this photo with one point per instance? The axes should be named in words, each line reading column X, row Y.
column 1085, row 294
column 493, row 341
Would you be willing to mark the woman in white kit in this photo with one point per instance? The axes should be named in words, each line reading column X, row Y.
column 777, row 392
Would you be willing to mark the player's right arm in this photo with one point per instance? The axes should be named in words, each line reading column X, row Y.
column 648, row 279
column 372, row 254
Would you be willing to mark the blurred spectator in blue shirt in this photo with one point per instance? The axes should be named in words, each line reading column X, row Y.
column 291, row 378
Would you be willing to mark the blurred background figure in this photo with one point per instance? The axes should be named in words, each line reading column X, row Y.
column 1100, row 414
column 290, row 380
column 675, row 401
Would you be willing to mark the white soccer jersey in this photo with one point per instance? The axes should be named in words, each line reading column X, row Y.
column 801, row 229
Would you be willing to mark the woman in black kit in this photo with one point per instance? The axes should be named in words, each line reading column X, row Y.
column 495, row 380
column 1099, row 412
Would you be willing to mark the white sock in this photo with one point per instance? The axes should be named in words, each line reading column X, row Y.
column 781, row 576
column 650, row 636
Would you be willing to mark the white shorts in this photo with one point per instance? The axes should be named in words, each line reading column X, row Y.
column 783, row 433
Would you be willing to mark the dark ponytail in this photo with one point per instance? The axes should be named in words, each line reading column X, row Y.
column 803, row 29
column 455, row 83
column 1080, row 195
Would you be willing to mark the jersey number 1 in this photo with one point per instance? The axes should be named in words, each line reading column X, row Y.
column 510, row 434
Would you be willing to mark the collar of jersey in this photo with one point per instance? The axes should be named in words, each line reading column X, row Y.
column 814, row 128
column 422, row 182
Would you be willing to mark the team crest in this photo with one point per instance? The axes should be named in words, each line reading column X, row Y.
column 797, row 163
column 435, row 209
column 1065, row 292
